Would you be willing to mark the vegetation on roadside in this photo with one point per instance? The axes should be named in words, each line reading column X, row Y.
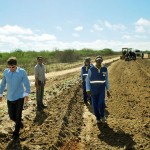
column 54, row 60
column 68, row 55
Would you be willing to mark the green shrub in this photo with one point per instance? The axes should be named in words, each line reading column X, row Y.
column 66, row 56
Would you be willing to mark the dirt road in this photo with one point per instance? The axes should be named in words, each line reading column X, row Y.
column 67, row 124
column 63, row 72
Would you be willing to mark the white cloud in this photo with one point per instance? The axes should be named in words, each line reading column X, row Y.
column 7, row 30
column 142, row 26
column 133, row 37
column 139, row 29
column 75, row 35
column 114, row 26
column 12, row 37
column 140, row 36
column 51, row 45
column 8, row 39
column 102, row 25
column 38, row 38
column 28, row 40
column 79, row 28
column 143, row 22
column 97, row 27
column 100, row 44
column 127, row 37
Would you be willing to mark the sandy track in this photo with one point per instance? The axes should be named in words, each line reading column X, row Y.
column 63, row 72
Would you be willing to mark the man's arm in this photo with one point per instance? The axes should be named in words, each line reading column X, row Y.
column 2, row 87
column 88, row 82
column 107, row 84
column 27, row 85
column 44, row 75
column 36, row 77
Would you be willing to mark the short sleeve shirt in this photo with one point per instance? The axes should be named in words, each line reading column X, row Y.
column 39, row 71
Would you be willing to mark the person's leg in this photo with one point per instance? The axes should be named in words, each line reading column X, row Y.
column 42, row 94
column 11, row 110
column 101, row 104
column 84, row 92
column 105, row 99
column 95, row 106
column 38, row 97
column 18, row 113
column 90, row 100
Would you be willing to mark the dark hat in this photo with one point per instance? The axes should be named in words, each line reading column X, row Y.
column 99, row 58
column 87, row 59
column 39, row 57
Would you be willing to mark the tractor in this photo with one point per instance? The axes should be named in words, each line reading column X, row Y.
column 124, row 52
column 128, row 54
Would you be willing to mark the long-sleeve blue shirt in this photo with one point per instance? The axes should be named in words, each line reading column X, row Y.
column 84, row 71
column 88, row 79
column 17, row 82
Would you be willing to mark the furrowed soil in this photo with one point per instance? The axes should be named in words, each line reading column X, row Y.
column 68, row 124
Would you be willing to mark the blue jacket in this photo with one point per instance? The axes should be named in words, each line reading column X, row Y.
column 97, row 80
column 84, row 71
column 15, row 81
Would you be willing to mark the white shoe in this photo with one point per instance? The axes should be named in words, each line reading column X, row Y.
column 103, row 120
column 98, row 121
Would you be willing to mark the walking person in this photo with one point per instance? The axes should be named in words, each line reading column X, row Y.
column 142, row 55
column 84, row 73
column 96, row 84
column 18, row 89
column 40, row 82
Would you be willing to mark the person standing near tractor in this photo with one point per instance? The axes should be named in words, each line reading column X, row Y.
column 16, row 79
column 142, row 55
column 96, row 84
column 40, row 82
column 84, row 73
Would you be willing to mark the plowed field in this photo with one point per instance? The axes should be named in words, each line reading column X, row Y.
column 67, row 124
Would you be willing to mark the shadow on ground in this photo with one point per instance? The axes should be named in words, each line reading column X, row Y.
column 115, row 139
column 14, row 144
column 40, row 117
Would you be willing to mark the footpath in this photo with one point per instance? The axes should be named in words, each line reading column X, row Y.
column 58, row 73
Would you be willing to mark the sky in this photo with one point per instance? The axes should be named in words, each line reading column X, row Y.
column 74, row 24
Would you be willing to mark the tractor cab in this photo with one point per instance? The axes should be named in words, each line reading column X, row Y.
column 124, row 52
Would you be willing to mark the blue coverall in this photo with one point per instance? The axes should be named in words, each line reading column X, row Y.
column 97, row 83
column 84, row 73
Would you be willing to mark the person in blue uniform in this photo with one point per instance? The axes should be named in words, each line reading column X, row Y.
column 96, row 85
column 84, row 73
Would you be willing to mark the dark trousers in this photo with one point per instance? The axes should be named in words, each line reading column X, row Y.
column 15, row 112
column 98, row 102
column 39, row 95
column 85, row 96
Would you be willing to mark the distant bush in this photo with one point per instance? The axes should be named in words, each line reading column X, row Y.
column 27, row 59
column 89, row 52
column 66, row 56
column 106, row 52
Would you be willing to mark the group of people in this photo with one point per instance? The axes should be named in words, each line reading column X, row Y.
column 94, row 81
column 95, row 85
column 18, row 90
